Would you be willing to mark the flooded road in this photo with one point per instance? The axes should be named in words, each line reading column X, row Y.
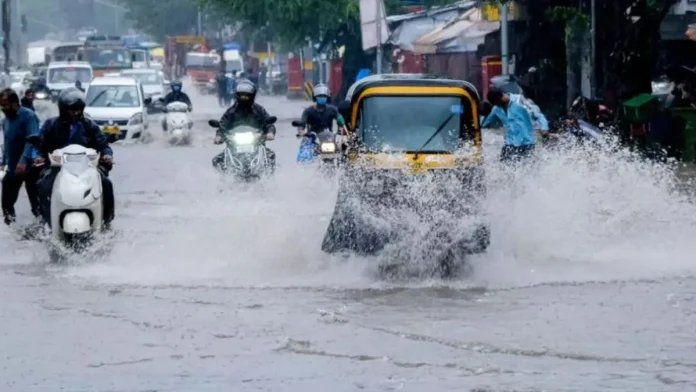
column 588, row 286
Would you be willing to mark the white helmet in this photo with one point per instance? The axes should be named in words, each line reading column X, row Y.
column 321, row 90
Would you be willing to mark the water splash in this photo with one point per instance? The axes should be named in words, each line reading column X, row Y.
column 578, row 215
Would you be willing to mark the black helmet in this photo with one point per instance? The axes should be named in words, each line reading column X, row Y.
column 71, row 99
column 176, row 85
column 245, row 92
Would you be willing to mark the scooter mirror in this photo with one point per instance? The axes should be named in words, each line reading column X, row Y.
column 34, row 140
column 298, row 124
column 214, row 123
column 272, row 120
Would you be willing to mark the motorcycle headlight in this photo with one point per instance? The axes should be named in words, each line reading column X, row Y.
column 244, row 138
column 328, row 147
column 41, row 95
column 137, row 119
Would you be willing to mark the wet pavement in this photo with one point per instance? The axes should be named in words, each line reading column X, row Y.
column 588, row 286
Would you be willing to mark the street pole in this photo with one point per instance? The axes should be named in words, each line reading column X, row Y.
column 200, row 22
column 593, row 55
column 6, row 27
column 378, row 25
column 17, row 33
column 504, row 50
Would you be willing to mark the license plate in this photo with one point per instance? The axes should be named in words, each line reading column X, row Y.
column 330, row 156
column 245, row 149
column 112, row 130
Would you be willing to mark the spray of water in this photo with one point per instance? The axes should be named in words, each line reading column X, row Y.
column 574, row 216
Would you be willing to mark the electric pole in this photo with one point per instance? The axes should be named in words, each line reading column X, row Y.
column 504, row 50
column 6, row 27
column 378, row 26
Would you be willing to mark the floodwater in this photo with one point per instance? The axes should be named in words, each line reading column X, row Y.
column 588, row 286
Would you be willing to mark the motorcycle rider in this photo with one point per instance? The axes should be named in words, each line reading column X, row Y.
column 78, row 85
column 245, row 112
column 321, row 115
column 19, row 122
column 176, row 95
column 252, row 76
column 71, row 127
column 28, row 100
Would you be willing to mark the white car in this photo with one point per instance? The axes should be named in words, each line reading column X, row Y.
column 21, row 81
column 119, row 106
column 63, row 74
column 151, row 80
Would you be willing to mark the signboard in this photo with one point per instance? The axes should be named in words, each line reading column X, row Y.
column 190, row 39
column 491, row 11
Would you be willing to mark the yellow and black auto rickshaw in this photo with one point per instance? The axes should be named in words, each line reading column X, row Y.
column 415, row 147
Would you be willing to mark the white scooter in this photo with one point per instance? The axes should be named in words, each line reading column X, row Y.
column 177, row 123
column 77, row 210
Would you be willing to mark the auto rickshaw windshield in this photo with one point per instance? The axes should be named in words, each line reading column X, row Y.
column 410, row 123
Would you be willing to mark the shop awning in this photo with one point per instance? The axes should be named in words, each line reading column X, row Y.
column 462, row 34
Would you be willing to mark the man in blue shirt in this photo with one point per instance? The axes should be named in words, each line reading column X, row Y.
column 517, row 115
column 19, row 123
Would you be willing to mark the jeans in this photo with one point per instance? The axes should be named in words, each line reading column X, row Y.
column 513, row 154
column 11, row 185
column 47, row 180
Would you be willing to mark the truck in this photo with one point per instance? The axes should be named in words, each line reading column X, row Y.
column 175, row 50
column 106, row 54
column 232, row 59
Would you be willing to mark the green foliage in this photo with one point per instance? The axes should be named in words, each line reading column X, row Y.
column 294, row 21
column 163, row 17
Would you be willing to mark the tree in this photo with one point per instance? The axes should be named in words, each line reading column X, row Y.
column 630, row 43
column 627, row 43
column 161, row 18
column 333, row 24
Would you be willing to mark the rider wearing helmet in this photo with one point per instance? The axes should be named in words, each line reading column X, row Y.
column 176, row 95
column 321, row 115
column 245, row 112
column 71, row 127
column 78, row 85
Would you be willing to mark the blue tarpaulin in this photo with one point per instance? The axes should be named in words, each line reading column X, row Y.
column 363, row 73
column 232, row 46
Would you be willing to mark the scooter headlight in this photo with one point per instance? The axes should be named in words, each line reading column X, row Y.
column 244, row 138
column 41, row 95
column 328, row 147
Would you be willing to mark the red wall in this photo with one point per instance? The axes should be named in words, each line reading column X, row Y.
column 413, row 63
column 295, row 77
column 336, row 76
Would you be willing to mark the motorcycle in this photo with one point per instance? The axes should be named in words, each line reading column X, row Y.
column 42, row 95
column 76, row 201
column 322, row 145
column 245, row 153
column 178, row 124
column 577, row 125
